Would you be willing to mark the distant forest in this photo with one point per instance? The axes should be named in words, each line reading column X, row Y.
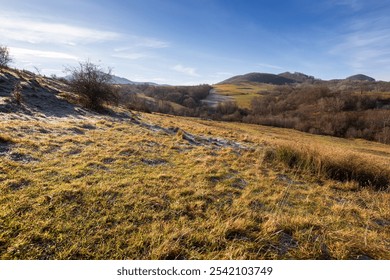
column 349, row 109
column 319, row 110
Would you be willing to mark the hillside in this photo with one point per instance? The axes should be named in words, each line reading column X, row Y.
column 127, row 185
column 288, row 78
column 26, row 95
column 258, row 78
column 298, row 77
column 360, row 77
column 121, row 81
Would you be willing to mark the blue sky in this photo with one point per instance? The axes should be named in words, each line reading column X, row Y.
column 200, row 41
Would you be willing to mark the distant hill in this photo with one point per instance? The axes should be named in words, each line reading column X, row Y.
column 259, row 78
column 123, row 81
column 288, row 78
column 298, row 77
column 360, row 77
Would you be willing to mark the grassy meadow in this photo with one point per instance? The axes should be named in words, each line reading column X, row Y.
column 243, row 93
column 164, row 187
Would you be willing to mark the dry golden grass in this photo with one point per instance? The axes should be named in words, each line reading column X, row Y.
column 121, row 189
column 242, row 93
column 337, row 165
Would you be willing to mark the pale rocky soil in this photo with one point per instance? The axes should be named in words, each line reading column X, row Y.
column 213, row 99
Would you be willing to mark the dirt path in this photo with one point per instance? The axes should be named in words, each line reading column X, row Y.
column 214, row 98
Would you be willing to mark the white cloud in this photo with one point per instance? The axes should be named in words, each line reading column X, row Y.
column 150, row 42
column 218, row 74
column 354, row 5
column 138, row 42
column 138, row 47
column 186, row 70
column 364, row 46
column 142, row 42
column 265, row 65
column 25, row 54
column 130, row 56
column 37, row 31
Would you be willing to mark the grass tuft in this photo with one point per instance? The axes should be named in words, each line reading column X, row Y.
column 4, row 139
column 339, row 167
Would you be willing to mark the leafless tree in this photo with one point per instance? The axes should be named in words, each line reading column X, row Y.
column 5, row 57
column 92, row 84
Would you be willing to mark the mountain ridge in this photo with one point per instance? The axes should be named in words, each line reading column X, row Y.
column 360, row 77
column 266, row 78
column 287, row 78
column 124, row 81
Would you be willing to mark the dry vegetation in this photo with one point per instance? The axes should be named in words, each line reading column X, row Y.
column 348, row 109
column 164, row 187
column 243, row 93
column 5, row 58
column 321, row 110
column 178, row 100
column 92, row 84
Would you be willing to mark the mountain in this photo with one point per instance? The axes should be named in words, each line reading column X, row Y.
column 121, row 81
column 287, row 78
column 360, row 77
column 259, row 78
column 297, row 77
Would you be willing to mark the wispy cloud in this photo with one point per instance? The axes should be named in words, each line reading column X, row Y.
column 366, row 43
column 222, row 74
column 270, row 66
column 354, row 5
column 149, row 42
column 23, row 54
column 138, row 42
column 43, row 40
column 138, row 47
column 38, row 31
column 186, row 70
column 130, row 56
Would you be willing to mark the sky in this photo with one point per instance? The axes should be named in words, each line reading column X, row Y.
column 184, row 42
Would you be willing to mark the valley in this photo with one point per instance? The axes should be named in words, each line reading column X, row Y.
column 125, row 184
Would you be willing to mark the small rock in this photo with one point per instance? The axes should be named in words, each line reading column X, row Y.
column 154, row 162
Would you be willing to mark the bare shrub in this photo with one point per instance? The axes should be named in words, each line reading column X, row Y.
column 227, row 107
column 5, row 57
column 92, row 84
column 133, row 102
column 17, row 93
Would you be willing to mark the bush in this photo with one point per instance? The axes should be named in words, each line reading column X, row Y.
column 17, row 93
column 227, row 108
column 92, row 85
column 133, row 102
column 5, row 58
